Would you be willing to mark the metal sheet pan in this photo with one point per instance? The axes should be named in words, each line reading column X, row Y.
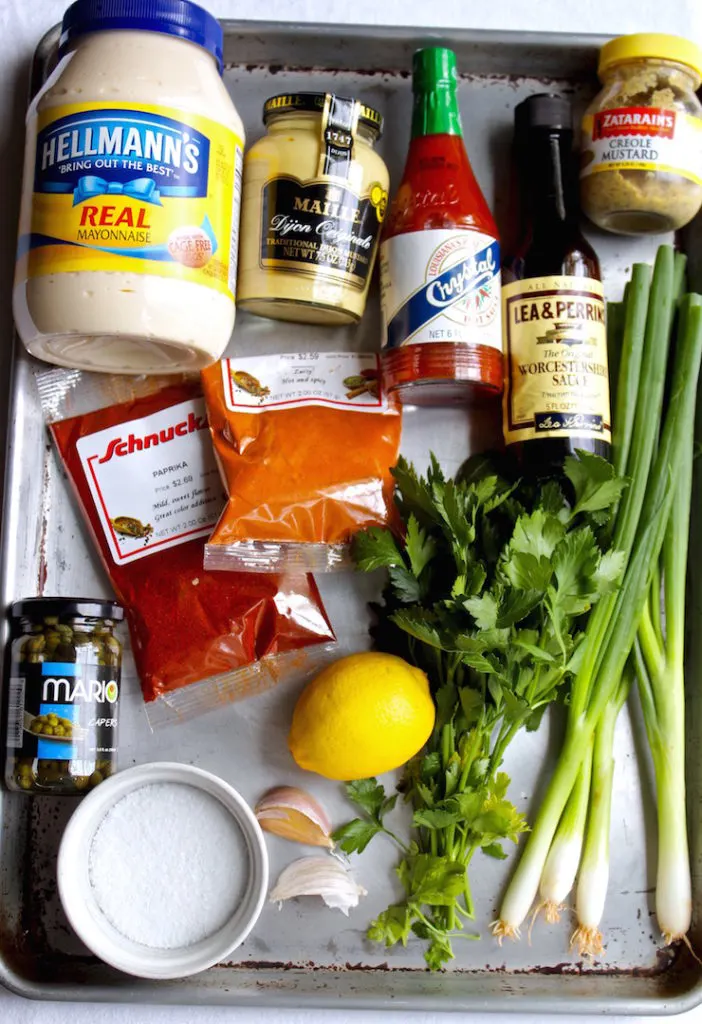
column 306, row 955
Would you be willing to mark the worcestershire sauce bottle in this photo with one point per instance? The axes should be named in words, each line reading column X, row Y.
column 556, row 397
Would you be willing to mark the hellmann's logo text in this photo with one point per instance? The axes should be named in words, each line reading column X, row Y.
column 650, row 121
column 109, row 144
column 120, row 446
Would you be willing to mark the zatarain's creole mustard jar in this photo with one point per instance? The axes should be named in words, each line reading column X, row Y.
column 642, row 136
column 130, row 210
column 315, row 195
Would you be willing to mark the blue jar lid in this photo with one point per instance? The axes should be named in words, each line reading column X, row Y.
column 173, row 17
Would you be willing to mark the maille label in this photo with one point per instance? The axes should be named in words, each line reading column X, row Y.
column 557, row 382
column 339, row 126
column 608, row 124
column 320, row 228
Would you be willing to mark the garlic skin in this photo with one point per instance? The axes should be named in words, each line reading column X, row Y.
column 318, row 876
column 294, row 814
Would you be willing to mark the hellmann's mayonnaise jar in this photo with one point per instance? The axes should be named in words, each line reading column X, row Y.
column 129, row 223
column 315, row 194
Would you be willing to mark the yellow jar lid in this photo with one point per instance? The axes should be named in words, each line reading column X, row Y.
column 650, row 45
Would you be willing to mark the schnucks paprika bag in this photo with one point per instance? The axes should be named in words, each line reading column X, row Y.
column 305, row 443
column 138, row 454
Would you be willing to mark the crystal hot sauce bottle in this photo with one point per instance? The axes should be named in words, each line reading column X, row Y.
column 439, row 257
column 556, row 398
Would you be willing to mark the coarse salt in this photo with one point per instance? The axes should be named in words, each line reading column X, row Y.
column 168, row 865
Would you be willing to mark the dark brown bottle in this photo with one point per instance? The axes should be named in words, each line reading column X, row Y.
column 556, row 397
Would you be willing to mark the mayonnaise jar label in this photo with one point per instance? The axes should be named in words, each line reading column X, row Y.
column 146, row 190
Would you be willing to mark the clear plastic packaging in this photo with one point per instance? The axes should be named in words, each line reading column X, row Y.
column 137, row 452
column 305, row 443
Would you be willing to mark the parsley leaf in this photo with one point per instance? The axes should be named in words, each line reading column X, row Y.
column 375, row 548
column 392, row 926
column 431, row 880
column 370, row 796
column 406, row 586
column 420, row 545
column 596, row 485
column 418, row 624
column 484, row 610
column 354, row 836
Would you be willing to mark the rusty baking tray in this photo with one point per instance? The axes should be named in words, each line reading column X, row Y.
column 307, row 955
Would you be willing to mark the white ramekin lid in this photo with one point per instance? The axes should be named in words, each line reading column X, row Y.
column 88, row 920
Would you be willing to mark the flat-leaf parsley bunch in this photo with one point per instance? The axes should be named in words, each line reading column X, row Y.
column 488, row 592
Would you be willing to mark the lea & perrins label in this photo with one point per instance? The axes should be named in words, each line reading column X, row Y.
column 556, row 377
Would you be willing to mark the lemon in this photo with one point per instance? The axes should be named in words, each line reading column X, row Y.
column 361, row 716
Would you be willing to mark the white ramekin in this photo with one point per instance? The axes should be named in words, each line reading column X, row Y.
column 80, row 904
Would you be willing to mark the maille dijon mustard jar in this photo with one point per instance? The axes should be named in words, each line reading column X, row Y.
column 641, row 170
column 314, row 198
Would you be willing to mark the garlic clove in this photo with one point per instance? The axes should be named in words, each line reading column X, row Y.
column 293, row 814
column 318, row 876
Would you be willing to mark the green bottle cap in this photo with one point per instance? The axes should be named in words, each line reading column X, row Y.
column 432, row 67
column 435, row 88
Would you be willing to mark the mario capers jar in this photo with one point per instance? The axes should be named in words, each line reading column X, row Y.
column 130, row 202
column 315, row 195
column 63, row 694
column 641, row 169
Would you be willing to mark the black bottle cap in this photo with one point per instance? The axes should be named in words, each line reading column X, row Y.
column 543, row 110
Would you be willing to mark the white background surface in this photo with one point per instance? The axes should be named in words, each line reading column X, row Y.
column 22, row 23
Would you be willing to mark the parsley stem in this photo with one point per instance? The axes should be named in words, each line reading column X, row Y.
column 403, row 846
column 439, row 932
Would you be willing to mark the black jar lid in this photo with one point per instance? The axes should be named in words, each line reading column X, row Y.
column 87, row 607
column 313, row 103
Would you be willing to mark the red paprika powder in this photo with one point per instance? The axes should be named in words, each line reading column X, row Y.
column 305, row 442
column 148, row 486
